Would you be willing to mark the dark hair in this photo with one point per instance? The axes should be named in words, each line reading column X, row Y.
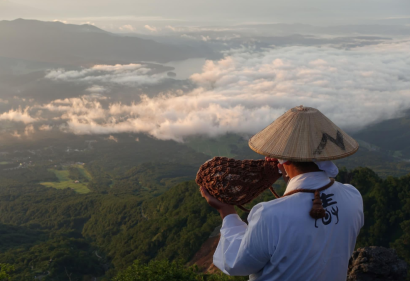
column 305, row 166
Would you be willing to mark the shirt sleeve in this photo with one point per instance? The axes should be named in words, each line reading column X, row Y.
column 243, row 249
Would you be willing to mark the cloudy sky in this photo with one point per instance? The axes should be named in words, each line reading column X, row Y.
column 354, row 79
column 241, row 93
column 212, row 12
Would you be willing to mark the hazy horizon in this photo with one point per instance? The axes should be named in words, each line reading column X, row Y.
column 210, row 13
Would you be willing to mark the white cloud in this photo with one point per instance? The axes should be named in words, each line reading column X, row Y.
column 16, row 135
column 188, row 37
column 111, row 137
column 88, row 22
column 18, row 115
column 45, row 127
column 96, row 89
column 127, row 27
column 201, row 37
column 246, row 91
column 126, row 74
column 29, row 130
column 62, row 21
column 150, row 28
column 170, row 27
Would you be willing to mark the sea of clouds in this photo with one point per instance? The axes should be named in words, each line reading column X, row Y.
column 241, row 93
column 129, row 74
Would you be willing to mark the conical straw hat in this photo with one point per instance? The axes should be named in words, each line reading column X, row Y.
column 303, row 134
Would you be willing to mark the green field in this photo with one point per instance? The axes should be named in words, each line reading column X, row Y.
column 4, row 163
column 65, row 182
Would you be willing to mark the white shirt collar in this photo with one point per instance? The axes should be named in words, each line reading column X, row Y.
column 313, row 180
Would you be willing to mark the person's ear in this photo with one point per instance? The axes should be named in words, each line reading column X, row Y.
column 284, row 173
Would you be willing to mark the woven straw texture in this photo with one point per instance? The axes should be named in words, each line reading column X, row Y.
column 303, row 134
column 236, row 182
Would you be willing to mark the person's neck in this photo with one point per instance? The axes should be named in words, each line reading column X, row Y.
column 292, row 172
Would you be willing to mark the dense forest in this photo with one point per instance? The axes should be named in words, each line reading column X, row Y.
column 58, row 233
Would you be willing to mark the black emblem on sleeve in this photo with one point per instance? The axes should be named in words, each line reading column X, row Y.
column 326, row 137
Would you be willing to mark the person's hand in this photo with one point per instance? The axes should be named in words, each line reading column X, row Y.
column 223, row 208
column 212, row 201
column 269, row 159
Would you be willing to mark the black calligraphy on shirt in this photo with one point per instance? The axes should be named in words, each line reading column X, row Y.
column 331, row 213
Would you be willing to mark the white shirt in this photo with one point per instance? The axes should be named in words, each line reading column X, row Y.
column 282, row 242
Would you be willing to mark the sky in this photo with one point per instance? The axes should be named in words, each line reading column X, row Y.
column 354, row 80
column 212, row 12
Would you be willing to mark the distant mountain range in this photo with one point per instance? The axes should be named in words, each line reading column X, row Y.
column 56, row 42
column 391, row 136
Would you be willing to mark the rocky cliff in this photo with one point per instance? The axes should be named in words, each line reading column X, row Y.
column 376, row 264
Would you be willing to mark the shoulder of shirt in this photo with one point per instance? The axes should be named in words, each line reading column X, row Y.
column 273, row 204
column 350, row 187
column 279, row 202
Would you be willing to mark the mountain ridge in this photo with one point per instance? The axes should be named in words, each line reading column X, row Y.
column 57, row 42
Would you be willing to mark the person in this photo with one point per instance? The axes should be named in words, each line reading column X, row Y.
column 287, row 238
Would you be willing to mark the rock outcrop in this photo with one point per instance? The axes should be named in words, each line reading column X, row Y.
column 376, row 264
column 204, row 257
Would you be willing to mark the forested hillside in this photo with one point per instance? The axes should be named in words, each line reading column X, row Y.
column 391, row 136
column 52, row 233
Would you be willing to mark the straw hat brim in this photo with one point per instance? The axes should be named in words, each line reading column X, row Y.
column 303, row 134
column 299, row 159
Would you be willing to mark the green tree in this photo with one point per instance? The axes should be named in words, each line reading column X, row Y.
column 5, row 269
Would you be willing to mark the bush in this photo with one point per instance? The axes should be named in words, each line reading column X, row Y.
column 5, row 269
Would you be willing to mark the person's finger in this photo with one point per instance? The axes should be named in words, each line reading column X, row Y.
column 276, row 167
column 203, row 190
column 205, row 194
column 270, row 159
column 209, row 198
